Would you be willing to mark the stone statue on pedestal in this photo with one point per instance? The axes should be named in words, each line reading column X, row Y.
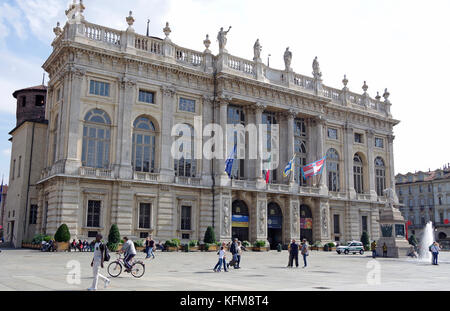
column 257, row 50
column 316, row 69
column 287, row 59
column 222, row 38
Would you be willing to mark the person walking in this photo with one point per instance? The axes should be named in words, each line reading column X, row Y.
column 130, row 251
column 384, row 250
column 152, row 247
column 239, row 253
column 293, row 254
column 234, row 253
column 147, row 247
column 304, row 252
column 221, row 261
column 97, row 263
column 373, row 248
column 435, row 252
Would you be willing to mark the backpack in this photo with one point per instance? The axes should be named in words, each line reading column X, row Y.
column 106, row 256
column 429, row 248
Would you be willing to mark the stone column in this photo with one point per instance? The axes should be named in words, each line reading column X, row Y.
column 371, row 165
column 348, row 156
column 225, row 217
column 168, row 103
column 390, row 139
column 294, row 218
column 207, row 113
column 223, row 121
column 320, row 124
column 124, row 128
column 290, row 142
column 259, row 109
column 321, row 215
column 72, row 117
column 260, row 221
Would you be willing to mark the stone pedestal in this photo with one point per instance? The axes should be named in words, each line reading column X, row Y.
column 392, row 225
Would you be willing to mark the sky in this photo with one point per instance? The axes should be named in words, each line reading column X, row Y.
column 402, row 45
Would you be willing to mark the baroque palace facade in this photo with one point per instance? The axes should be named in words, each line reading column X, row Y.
column 113, row 98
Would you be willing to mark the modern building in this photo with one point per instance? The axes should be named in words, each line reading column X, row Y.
column 424, row 197
column 113, row 99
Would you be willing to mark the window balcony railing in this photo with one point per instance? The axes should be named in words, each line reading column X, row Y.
column 145, row 176
column 96, row 172
column 243, row 184
column 192, row 181
column 278, row 187
column 338, row 195
column 308, row 190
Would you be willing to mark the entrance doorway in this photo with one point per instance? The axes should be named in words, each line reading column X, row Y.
column 274, row 225
column 11, row 236
column 239, row 218
column 306, row 223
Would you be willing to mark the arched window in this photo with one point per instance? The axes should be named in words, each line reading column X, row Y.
column 333, row 170
column 186, row 167
column 299, row 149
column 144, row 145
column 358, row 174
column 380, row 176
column 96, row 139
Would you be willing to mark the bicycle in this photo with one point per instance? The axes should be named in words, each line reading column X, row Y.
column 115, row 268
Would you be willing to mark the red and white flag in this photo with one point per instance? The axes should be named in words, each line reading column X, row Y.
column 313, row 169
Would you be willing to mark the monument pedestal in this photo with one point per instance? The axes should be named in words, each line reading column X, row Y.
column 392, row 233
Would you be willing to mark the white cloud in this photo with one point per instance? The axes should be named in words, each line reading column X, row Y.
column 6, row 152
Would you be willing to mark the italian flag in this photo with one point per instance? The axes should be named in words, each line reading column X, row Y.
column 268, row 171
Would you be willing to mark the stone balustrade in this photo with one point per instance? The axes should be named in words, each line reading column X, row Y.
column 96, row 172
column 144, row 176
column 188, row 57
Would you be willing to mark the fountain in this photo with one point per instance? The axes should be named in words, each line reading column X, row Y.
column 425, row 242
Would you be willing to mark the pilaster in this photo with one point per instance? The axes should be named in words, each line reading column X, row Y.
column 167, row 173
column 371, row 165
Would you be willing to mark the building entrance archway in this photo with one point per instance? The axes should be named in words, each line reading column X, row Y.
column 306, row 223
column 274, row 225
column 240, row 221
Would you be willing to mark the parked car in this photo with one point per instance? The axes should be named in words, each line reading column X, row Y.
column 352, row 247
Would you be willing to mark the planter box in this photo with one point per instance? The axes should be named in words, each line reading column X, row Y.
column 213, row 248
column 140, row 248
column 172, row 249
column 314, row 248
column 62, row 246
column 260, row 249
column 194, row 248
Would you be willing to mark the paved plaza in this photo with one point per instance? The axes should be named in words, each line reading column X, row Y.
column 35, row 270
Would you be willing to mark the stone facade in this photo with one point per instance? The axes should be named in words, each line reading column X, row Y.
column 424, row 197
column 112, row 82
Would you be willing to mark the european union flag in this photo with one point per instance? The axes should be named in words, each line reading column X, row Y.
column 229, row 161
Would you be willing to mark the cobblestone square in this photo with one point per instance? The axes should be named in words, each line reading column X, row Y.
column 34, row 270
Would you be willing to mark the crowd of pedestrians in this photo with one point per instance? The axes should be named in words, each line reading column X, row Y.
column 82, row 246
column 235, row 248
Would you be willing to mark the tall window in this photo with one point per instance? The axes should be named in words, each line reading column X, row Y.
column 186, row 105
column 269, row 119
column 96, row 139
column 358, row 174
column 99, row 88
column 33, row 214
column 380, row 176
column 364, row 223
column 333, row 170
column 236, row 115
column 300, row 138
column 55, row 138
column 337, row 229
column 20, row 166
column 186, row 217
column 187, row 167
column 93, row 214
column 144, row 145
column 144, row 215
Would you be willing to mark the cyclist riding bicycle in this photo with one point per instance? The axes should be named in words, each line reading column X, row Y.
column 129, row 251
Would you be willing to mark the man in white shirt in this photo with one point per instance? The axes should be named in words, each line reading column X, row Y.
column 97, row 262
column 130, row 251
column 435, row 251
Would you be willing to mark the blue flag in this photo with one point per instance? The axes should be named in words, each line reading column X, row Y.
column 229, row 161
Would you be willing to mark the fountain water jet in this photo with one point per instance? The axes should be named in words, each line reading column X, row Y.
column 425, row 242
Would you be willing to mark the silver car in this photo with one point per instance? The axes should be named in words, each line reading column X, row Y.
column 352, row 247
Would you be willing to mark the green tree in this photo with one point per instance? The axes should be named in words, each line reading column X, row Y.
column 412, row 240
column 62, row 234
column 365, row 239
column 113, row 238
column 210, row 236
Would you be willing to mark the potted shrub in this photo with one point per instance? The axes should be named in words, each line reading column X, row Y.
column 172, row 245
column 365, row 240
column 193, row 245
column 139, row 245
column 247, row 245
column 328, row 247
column 332, row 246
column 210, row 240
column 113, row 238
column 259, row 246
column 62, row 238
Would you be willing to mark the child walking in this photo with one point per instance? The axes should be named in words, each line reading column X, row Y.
column 221, row 261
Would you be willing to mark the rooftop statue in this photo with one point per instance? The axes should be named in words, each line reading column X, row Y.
column 75, row 11
column 257, row 50
column 287, row 59
column 316, row 69
column 222, row 38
